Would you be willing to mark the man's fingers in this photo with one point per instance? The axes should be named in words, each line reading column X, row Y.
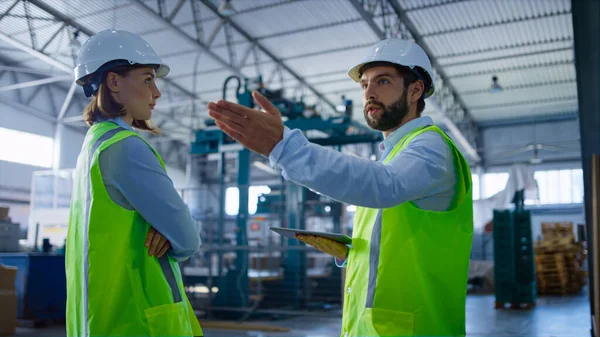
column 266, row 104
column 231, row 132
column 229, row 118
column 232, row 109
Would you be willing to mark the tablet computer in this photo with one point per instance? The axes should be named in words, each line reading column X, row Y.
column 290, row 232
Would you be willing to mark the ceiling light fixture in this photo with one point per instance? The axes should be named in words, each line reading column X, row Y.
column 495, row 87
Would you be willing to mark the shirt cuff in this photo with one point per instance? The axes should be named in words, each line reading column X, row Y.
column 341, row 264
column 278, row 149
column 345, row 263
column 291, row 139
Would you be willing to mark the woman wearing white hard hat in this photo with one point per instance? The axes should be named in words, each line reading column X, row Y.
column 408, row 262
column 128, row 226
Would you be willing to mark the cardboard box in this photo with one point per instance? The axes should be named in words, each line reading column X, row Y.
column 8, row 312
column 8, row 300
column 8, row 275
column 3, row 213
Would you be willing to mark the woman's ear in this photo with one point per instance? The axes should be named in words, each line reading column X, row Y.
column 112, row 82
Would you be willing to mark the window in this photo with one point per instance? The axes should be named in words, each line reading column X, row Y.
column 475, row 187
column 26, row 148
column 494, row 183
column 232, row 199
column 560, row 186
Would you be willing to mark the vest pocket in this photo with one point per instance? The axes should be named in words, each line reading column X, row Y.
column 169, row 320
column 387, row 322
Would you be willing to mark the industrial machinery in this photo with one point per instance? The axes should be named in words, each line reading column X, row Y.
column 245, row 268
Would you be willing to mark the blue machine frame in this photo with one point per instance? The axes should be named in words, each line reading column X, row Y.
column 339, row 131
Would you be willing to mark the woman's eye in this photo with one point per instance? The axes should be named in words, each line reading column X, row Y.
column 383, row 81
column 148, row 81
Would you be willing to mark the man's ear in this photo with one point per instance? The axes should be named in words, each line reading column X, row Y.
column 112, row 82
column 416, row 91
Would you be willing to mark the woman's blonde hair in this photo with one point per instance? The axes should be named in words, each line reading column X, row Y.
column 103, row 103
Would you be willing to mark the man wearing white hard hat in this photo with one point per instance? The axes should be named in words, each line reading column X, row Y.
column 408, row 262
column 128, row 226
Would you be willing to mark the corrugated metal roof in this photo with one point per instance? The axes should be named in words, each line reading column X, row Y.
column 323, row 39
column 524, row 77
column 550, row 91
column 78, row 9
column 528, row 110
column 522, row 62
column 528, row 44
column 185, row 63
column 505, row 53
column 416, row 4
column 122, row 19
column 295, row 16
column 473, row 14
column 339, row 61
column 515, row 34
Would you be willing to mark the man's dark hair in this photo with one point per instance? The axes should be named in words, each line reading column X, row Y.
column 410, row 76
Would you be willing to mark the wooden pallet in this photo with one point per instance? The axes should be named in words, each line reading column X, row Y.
column 511, row 305
column 559, row 290
column 556, row 229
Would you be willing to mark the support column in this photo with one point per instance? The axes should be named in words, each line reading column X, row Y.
column 586, row 30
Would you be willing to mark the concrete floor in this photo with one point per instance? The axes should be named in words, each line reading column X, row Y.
column 552, row 316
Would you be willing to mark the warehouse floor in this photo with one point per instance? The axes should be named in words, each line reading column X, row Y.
column 552, row 316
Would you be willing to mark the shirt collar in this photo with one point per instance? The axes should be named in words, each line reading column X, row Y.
column 117, row 120
column 402, row 131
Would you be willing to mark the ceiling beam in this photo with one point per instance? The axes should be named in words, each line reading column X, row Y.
column 191, row 39
column 368, row 18
column 27, row 109
column 35, row 83
column 71, row 22
column 40, row 56
column 262, row 48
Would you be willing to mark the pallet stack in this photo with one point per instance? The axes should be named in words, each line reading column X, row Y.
column 514, row 268
column 559, row 260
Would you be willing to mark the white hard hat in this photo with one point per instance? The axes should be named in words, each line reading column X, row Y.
column 114, row 46
column 401, row 52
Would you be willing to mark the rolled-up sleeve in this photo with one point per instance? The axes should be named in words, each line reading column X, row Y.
column 131, row 167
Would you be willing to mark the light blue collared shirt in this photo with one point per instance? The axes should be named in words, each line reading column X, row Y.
column 135, row 179
column 423, row 172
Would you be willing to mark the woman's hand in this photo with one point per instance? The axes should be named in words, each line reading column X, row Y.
column 156, row 243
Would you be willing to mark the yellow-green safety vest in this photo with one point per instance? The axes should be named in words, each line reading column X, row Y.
column 407, row 269
column 114, row 288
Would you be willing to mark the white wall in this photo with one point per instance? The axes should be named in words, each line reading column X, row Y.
column 71, row 141
column 13, row 175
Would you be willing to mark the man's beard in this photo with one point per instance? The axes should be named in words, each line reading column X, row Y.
column 390, row 117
